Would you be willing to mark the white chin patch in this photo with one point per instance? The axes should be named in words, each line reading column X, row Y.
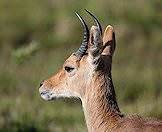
column 51, row 95
column 46, row 95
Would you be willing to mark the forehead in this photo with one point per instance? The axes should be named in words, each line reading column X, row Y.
column 71, row 60
column 74, row 60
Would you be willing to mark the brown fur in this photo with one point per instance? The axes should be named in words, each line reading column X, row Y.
column 91, row 81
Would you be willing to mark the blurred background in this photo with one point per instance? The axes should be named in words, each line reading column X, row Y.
column 36, row 36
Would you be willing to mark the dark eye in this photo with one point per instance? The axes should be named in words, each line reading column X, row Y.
column 69, row 69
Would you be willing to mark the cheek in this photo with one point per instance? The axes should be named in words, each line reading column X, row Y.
column 76, row 82
column 71, row 74
column 71, row 82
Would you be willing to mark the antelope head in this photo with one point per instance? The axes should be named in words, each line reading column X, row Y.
column 80, row 70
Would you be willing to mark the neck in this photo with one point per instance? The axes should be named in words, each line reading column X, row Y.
column 100, row 106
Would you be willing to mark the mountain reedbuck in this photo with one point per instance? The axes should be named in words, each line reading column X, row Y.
column 87, row 74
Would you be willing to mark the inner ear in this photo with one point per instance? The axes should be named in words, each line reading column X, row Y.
column 109, row 41
column 95, row 45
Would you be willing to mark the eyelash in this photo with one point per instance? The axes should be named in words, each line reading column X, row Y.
column 69, row 69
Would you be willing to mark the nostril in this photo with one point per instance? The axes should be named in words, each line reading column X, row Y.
column 41, row 83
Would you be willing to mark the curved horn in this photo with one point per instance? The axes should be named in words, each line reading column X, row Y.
column 96, row 20
column 84, row 45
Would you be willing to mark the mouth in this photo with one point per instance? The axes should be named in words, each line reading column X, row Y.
column 47, row 95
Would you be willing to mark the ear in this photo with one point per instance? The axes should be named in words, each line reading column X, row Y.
column 109, row 42
column 95, row 45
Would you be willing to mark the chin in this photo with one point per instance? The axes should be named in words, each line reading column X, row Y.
column 47, row 95
column 47, row 98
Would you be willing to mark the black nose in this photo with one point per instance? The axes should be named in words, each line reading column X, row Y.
column 41, row 83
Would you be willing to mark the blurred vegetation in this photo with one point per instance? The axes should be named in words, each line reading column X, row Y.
column 36, row 37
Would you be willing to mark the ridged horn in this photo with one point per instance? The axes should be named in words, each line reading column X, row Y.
column 84, row 45
column 96, row 20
